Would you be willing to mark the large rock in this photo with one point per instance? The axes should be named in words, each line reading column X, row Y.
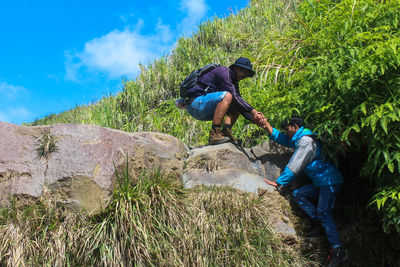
column 243, row 169
column 78, row 163
column 81, row 167
column 273, row 157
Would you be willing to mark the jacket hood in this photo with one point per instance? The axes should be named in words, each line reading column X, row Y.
column 300, row 133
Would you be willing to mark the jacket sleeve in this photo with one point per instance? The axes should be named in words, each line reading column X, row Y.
column 305, row 153
column 280, row 138
column 286, row 177
column 225, row 84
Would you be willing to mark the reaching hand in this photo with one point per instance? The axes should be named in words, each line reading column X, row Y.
column 281, row 189
column 270, row 182
column 258, row 118
column 264, row 123
column 261, row 121
column 267, row 126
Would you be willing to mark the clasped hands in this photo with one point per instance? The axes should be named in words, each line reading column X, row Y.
column 259, row 119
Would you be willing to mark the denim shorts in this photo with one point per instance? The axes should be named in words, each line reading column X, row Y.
column 203, row 107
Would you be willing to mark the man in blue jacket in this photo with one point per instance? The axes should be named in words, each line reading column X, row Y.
column 326, row 179
column 217, row 96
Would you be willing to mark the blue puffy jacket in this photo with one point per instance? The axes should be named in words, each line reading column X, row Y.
column 307, row 157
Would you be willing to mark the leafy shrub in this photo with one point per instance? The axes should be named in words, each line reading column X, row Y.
column 349, row 85
column 336, row 63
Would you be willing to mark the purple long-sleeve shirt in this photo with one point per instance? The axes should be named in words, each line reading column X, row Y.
column 222, row 79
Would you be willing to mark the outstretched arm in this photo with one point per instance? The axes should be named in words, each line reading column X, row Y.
column 267, row 126
column 276, row 135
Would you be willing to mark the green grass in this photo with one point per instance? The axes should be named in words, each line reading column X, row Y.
column 46, row 144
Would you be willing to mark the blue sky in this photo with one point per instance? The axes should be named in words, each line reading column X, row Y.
column 55, row 55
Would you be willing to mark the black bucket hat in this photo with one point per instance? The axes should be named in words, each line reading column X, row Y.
column 244, row 63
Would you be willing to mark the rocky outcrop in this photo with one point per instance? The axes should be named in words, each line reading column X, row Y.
column 78, row 162
column 241, row 168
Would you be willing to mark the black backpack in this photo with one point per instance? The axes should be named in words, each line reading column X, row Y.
column 191, row 80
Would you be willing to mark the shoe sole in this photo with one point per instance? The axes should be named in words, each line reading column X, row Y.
column 218, row 142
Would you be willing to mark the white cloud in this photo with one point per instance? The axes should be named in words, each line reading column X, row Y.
column 16, row 115
column 196, row 10
column 71, row 67
column 119, row 52
column 20, row 113
column 10, row 110
column 10, row 91
column 164, row 32
column 3, row 116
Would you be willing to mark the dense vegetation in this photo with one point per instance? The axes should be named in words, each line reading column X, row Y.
column 335, row 63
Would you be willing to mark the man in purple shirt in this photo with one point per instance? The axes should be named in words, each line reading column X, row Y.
column 217, row 96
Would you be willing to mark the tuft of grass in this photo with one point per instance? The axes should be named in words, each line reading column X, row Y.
column 46, row 144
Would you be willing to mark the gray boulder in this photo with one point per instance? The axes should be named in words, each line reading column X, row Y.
column 243, row 169
column 78, row 162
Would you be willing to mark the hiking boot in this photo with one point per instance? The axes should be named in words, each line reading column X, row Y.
column 227, row 132
column 336, row 257
column 216, row 137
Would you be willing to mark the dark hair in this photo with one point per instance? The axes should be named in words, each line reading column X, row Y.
column 292, row 121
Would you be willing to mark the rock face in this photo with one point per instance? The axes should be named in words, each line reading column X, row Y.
column 78, row 163
column 81, row 165
column 243, row 169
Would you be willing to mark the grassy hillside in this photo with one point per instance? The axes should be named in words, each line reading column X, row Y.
column 335, row 63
